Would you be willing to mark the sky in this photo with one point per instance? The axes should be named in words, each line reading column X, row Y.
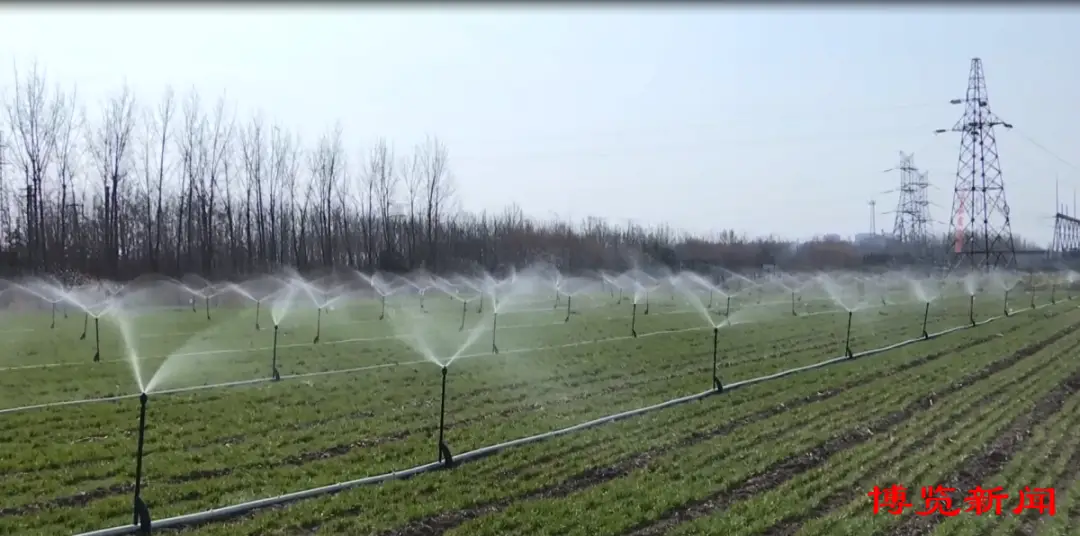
column 778, row 120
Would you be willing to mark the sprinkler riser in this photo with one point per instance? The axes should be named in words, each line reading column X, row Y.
column 633, row 321
column 847, row 338
column 139, row 509
column 273, row 359
column 925, row 317
column 494, row 326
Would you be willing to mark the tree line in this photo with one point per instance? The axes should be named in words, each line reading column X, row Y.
column 180, row 186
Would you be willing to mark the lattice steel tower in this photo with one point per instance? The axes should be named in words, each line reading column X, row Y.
column 912, row 224
column 980, row 225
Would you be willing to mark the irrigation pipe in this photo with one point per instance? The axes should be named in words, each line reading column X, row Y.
column 255, row 381
column 341, row 341
column 352, row 370
column 245, row 507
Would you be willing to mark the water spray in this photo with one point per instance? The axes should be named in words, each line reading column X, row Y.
column 633, row 321
column 85, row 323
column 444, row 452
column 273, row 359
column 140, row 513
column 494, row 324
column 567, row 308
column 318, row 326
column 258, row 303
column 847, row 338
column 97, row 340
column 464, row 309
column 715, row 344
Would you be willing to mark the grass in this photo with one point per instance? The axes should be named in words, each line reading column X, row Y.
column 795, row 455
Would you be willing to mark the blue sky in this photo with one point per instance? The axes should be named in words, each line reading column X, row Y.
column 769, row 121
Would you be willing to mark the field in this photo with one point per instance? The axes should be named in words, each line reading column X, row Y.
column 991, row 405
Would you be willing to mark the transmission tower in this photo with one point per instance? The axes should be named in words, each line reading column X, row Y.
column 980, row 226
column 912, row 224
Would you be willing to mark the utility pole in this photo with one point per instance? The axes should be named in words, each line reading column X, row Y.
column 873, row 217
column 980, row 223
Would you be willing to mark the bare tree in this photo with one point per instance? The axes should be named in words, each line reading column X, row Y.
column 34, row 115
column 438, row 188
column 109, row 143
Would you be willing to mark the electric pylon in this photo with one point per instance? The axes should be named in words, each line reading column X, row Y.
column 980, row 225
column 911, row 228
column 1066, row 244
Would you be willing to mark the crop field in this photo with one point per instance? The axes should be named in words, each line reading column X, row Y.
column 991, row 405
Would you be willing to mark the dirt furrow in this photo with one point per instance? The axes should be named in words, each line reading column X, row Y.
column 788, row 468
column 444, row 521
column 994, row 456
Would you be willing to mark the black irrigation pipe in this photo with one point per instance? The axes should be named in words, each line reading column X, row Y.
column 447, row 460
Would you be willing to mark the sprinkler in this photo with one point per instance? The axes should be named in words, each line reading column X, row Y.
column 925, row 317
column 207, row 300
column 847, row 338
column 715, row 343
column 567, row 308
column 727, row 309
column 140, row 513
column 710, row 299
column 273, row 360
column 193, row 309
column 633, row 321
column 971, row 309
column 556, row 306
column 480, row 308
column 646, row 303
column 318, row 326
column 1006, row 302
column 1031, row 288
column 1053, row 289
column 382, row 313
column 97, row 341
column 620, row 298
column 444, row 452
column 258, row 303
column 464, row 309
column 85, row 323
column 793, row 313
column 53, row 324
column 494, row 324
column 422, row 301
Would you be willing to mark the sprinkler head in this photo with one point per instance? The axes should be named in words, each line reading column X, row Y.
column 276, row 375
column 717, row 385
column 143, row 398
